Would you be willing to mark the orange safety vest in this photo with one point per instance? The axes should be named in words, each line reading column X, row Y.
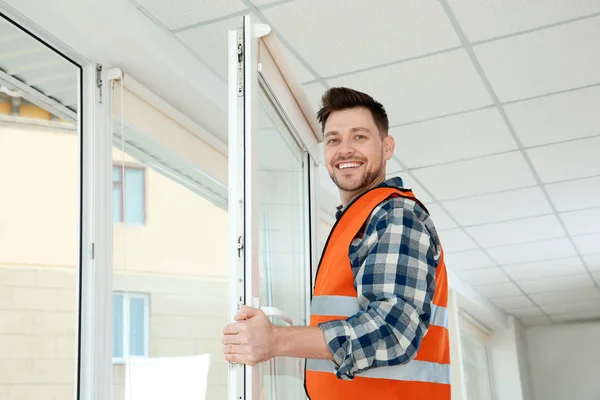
column 427, row 376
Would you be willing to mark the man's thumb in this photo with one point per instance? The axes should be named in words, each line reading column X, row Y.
column 247, row 312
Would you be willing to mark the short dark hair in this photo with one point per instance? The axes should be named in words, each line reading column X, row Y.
column 342, row 98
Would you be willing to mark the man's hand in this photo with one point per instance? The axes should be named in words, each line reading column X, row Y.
column 250, row 340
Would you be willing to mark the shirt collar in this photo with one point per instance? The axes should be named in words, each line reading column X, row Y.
column 391, row 182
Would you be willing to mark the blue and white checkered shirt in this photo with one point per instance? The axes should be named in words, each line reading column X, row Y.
column 394, row 259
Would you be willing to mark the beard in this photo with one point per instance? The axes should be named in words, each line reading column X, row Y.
column 357, row 183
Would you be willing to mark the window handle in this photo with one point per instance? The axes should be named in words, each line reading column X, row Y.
column 276, row 312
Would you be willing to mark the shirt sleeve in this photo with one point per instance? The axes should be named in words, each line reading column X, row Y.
column 394, row 265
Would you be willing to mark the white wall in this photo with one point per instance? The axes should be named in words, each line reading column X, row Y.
column 508, row 362
column 565, row 361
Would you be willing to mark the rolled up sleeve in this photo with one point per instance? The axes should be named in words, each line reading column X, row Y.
column 394, row 265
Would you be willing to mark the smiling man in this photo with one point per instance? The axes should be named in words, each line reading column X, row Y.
column 378, row 313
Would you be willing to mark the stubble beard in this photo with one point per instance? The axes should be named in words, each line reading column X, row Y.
column 364, row 182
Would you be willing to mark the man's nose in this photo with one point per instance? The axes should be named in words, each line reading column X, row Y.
column 345, row 148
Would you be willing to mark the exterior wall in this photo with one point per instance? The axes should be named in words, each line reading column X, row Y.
column 178, row 258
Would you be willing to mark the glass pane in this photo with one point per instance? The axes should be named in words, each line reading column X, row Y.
column 116, row 174
column 134, row 196
column 39, row 221
column 173, row 268
column 282, row 261
column 116, row 203
column 137, row 327
column 118, row 328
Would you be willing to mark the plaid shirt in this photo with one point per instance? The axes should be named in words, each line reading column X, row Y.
column 394, row 259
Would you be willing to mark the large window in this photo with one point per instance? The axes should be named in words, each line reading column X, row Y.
column 169, row 278
column 39, row 219
column 131, row 326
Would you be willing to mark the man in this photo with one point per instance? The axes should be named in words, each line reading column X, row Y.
column 378, row 314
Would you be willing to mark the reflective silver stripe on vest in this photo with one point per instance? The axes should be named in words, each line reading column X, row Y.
column 420, row 371
column 346, row 306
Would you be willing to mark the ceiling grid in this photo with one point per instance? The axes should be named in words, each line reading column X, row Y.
column 502, row 92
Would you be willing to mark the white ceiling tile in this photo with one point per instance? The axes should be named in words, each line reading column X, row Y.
column 455, row 240
column 496, row 207
column 483, row 175
column 555, row 118
column 423, row 88
column 467, row 260
column 565, row 161
column 209, row 42
column 582, row 222
column 512, row 232
column 512, row 302
column 260, row 3
column 483, row 276
column 579, row 316
column 583, row 193
column 453, row 138
column 535, row 321
column 417, row 189
column 553, row 284
column 526, row 252
column 545, row 269
column 543, row 62
column 528, row 312
column 180, row 13
column 572, row 307
column 504, row 289
column 563, row 296
column 588, row 244
column 593, row 262
column 441, row 219
column 352, row 44
column 486, row 19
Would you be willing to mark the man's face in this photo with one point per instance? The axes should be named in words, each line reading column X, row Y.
column 355, row 152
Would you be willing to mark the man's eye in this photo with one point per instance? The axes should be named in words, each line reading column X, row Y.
column 360, row 137
column 331, row 141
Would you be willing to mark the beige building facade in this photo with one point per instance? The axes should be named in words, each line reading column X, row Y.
column 175, row 262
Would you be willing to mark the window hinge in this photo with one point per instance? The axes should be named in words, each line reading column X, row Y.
column 240, row 245
column 99, row 82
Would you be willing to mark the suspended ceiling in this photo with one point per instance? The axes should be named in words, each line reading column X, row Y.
column 494, row 108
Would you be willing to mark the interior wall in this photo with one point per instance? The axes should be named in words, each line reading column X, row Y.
column 565, row 361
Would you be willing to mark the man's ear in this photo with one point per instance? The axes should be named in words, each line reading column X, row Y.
column 389, row 145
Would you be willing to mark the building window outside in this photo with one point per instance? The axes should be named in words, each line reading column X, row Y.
column 129, row 199
column 131, row 326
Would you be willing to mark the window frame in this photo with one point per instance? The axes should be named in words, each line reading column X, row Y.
column 126, row 334
column 124, row 167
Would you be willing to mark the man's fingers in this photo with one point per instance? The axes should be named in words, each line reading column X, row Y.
column 231, row 339
column 232, row 349
column 232, row 329
column 239, row 359
column 247, row 312
column 234, row 358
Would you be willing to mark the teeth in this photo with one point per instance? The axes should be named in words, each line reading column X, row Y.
column 349, row 165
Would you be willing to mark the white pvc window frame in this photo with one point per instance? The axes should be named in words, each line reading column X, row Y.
column 93, row 367
column 256, row 64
